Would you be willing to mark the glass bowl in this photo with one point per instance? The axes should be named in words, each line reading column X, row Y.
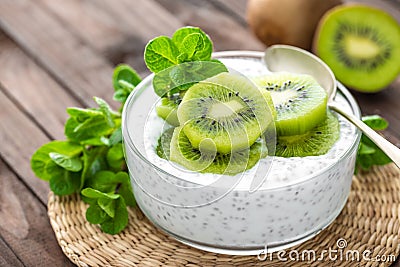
column 298, row 198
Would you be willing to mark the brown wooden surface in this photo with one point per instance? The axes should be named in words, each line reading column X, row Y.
column 56, row 53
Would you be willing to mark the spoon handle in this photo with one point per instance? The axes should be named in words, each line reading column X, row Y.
column 390, row 150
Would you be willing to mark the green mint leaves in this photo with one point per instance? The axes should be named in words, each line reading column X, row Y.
column 193, row 44
column 91, row 160
column 108, row 194
column 368, row 153
column 161, row 53
column 124, row 81
column 181, row 61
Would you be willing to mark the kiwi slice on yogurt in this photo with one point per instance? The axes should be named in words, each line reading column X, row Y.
column 361, row 44
column 206, row 161
column 164, row 143
column 299, row 100
column 315, row 142
column 228, row 109
column 167, row 109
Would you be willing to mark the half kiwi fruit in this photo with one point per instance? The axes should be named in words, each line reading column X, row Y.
column 228, row 109
column 361, row 45
column 300, row 102
column 205, row 161
column 316, row 142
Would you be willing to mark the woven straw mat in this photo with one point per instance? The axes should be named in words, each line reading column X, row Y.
column 369, row 221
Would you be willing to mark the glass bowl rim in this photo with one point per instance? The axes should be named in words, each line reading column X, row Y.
column 239, row 54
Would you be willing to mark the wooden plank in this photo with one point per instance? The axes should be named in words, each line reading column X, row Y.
column 24, row 225
column 118, row 29
column 84, row 71
column 88, row 20
column 141, row 25
column 19, row 138
column 227, row 33
column 7, row 256
column 43, row 99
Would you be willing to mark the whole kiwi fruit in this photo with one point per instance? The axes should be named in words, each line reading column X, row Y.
column 291, row 22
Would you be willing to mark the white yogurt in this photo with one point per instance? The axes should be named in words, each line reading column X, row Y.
column 298, row 198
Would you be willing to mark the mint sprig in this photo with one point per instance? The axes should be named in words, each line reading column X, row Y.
column 368, row 153
column 91, row 160
column 181, row 61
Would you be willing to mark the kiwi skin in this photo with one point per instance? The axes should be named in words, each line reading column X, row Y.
column 291, row 22
column 358, row 78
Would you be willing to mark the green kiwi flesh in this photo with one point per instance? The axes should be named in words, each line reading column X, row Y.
column 316, row 142
column 361, row 45
column 300, row 102
column 228, row 109
column 167, row 109
column 204, row 161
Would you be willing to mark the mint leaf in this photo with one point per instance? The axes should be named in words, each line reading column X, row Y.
column 95, row 214
column 181, row 77
column 73, row 164
column 93, row 193
column 92, row 127
column 105, row 110
column 376, row 122
column 116, row 137
column 93, row 161
column 115, row 157
column 160, row 53
column 368, row 153
column 365, row 149
column 41, row 158
column 125, row 78
column 80, row 114
column 125, row 188
column 190, row 45
column 108, row 181
column 202, row 52
column 96, row 141
column 108, row 205
column 104, row 181
column 63, row 182
column 120, row 220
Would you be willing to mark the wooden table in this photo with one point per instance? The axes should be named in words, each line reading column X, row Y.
column 56, row 53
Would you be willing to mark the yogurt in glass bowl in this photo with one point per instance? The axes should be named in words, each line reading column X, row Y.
column 278, row 203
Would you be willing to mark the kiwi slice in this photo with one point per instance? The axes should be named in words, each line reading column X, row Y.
column 361, row 45
column 316, row 142
column 167, row 109
column 300, row 102
column 164, row 144
column 228, row 109
column 205, row 161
